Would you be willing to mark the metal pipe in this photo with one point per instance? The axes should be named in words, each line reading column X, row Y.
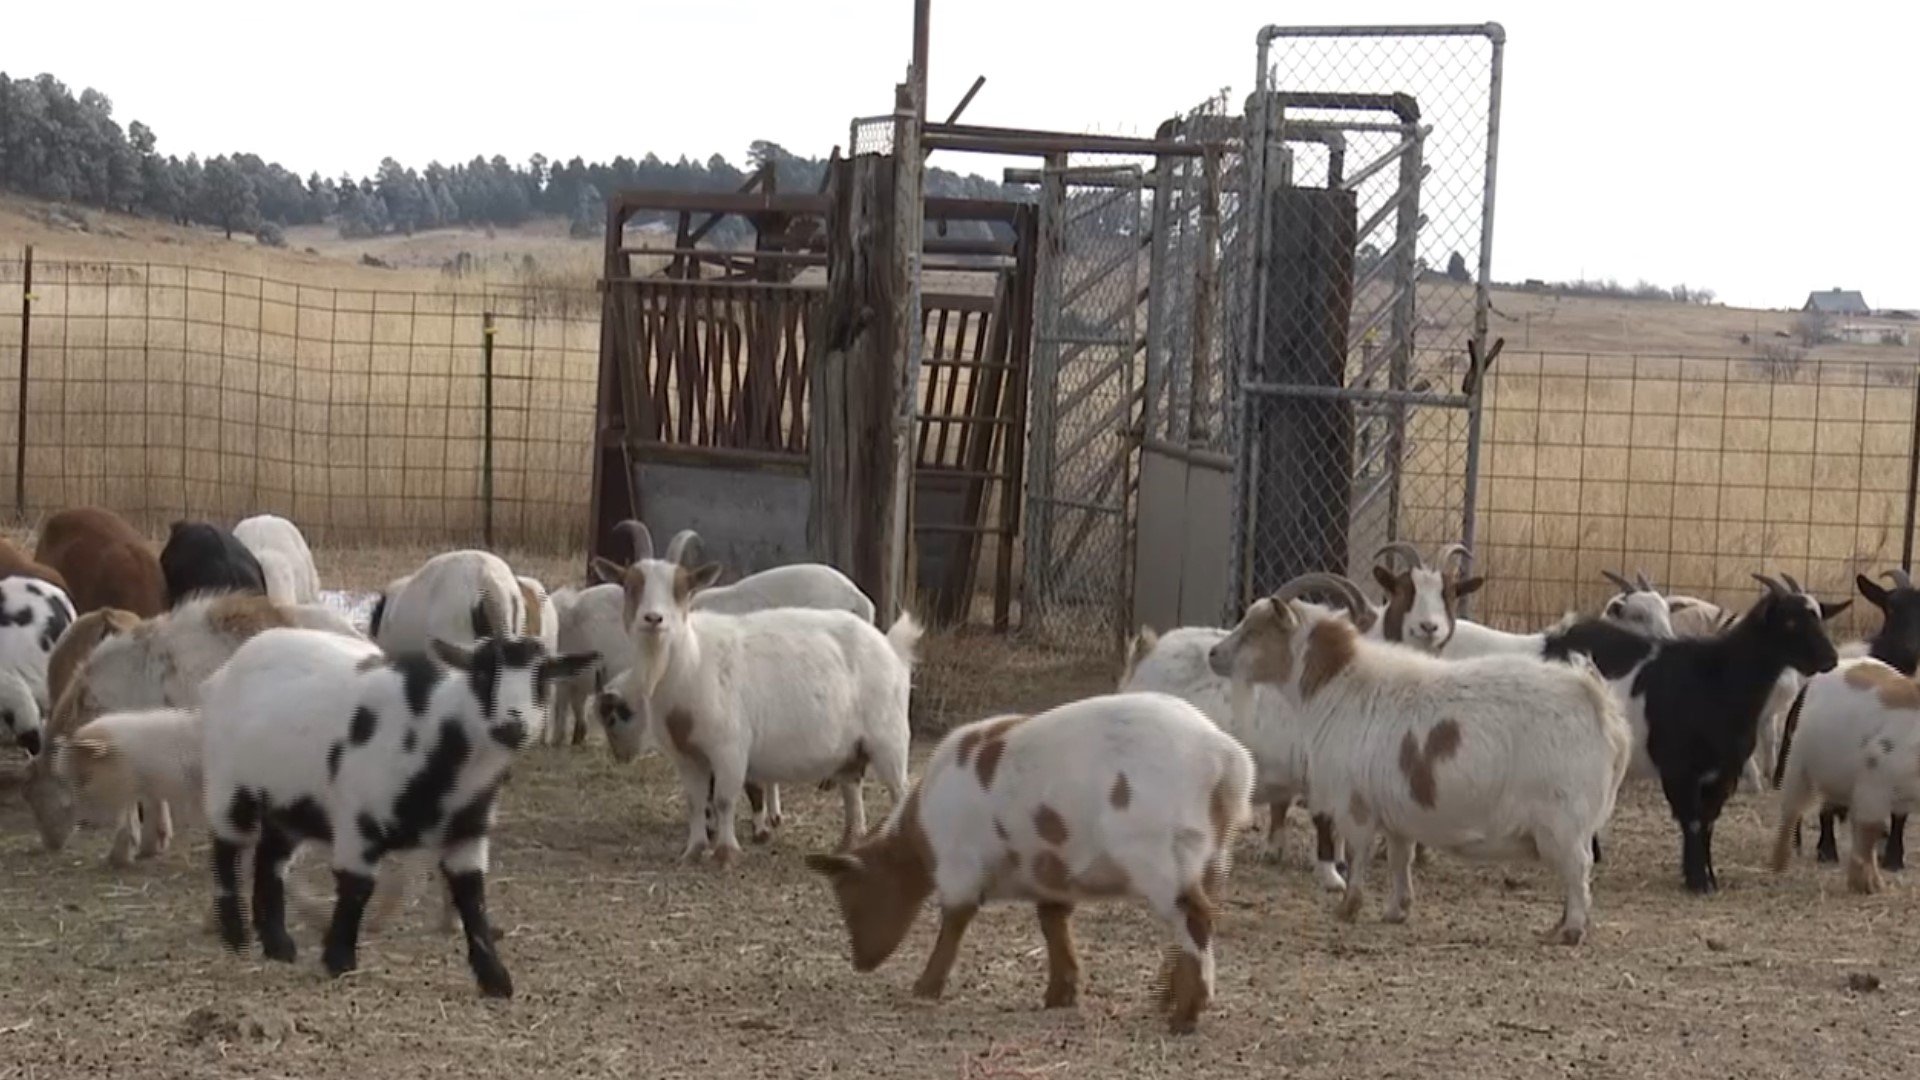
column 1497, row 35
column 1359, row 393
column 1913, row 483
column 966, row 99
column 1042, row 144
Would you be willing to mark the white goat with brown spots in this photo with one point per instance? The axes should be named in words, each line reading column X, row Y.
column 1857, row 745
column 785, row 695
column 1111, row 796
column 1496, row 757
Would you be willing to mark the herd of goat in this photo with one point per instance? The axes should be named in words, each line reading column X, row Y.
column 210, row 679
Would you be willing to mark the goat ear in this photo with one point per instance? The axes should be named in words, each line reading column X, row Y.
column 451, row 655
column 1828, row 611
column 834, row 866
column 1466, row 586
column 1875, row 595
column 1678, row 605
column 604, row 570
column 705, row 576
column 1385, row 579
column 567, row 665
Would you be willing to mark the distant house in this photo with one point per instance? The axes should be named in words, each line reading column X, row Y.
column 1837, row 302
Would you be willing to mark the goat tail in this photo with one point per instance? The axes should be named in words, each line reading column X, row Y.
column 489, row 615
column 904, row 637
column 1786, row 735
column 1139, row 647
column 1230, row 808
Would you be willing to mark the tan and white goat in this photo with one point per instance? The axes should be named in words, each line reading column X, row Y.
column 1495, row 757
column 1113, row 796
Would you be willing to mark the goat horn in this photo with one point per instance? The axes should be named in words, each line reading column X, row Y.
column 1355, row 600
column 1772, row 586
column 1791, row 584
column 1898, row 577
column 642, row 539
column 1623, row 583
column 1640, row 579
column 1462, row 551
column 1401, row 547
column 677, row 547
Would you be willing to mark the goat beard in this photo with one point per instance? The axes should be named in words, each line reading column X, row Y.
column 650, row 663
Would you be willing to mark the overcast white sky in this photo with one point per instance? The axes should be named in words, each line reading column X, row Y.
column 1762, row 157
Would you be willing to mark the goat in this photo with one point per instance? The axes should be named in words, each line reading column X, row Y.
column 316, row 736
column 200, row 556
column 807, row 585
column 1858, row 744
column 1118, row 795
column 1695, row 702
column 1896, row 644
column 156, row 663
column 1176, row 663
column 15, row 562
column 104, row 562
column 1640, row 606
column 589, row 622
column 33, row 615
column 455, row 596
column 286, row 562
column 785, row 695
column 1495, row 757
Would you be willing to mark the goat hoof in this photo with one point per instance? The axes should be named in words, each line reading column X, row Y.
column 1348, row 909
column 1826, row 855
column 279, row 947
column 1894, row 863
column 338, row 964
column 725, row 854
column 762, row 836
column 1064, row 996
column 1564, row 935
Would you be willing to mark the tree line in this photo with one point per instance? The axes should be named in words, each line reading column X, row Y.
column 66, row 148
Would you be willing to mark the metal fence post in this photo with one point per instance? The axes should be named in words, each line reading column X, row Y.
column 20, row 421
column 486, row 445
column 1913, row 482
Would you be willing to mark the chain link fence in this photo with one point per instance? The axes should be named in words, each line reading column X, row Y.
column 1356, row 420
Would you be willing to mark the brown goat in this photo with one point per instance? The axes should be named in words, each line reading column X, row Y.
column 15, row 562
column 105, row 562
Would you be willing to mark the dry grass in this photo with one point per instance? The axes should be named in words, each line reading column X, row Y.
column 349, row 398
column 628, row 963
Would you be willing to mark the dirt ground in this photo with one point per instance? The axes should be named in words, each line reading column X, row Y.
column 630, row 964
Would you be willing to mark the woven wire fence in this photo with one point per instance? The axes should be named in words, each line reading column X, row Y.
column 365, row 416
column 870, row 135
column 1697, row 471
column 1369, row 276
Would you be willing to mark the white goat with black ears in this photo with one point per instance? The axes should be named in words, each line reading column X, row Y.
column 312, row 735
column 784, row 695
column 33, row 615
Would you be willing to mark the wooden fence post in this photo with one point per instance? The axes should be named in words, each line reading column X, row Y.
column 20, row 422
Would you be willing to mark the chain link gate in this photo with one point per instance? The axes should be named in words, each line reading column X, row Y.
column 1357, row 412
column 1077, row 552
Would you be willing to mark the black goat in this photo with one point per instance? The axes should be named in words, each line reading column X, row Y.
column 203, row 557
column 1699, row 699
column 1897, row 644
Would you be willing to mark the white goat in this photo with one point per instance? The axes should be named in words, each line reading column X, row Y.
column 590, row 622
column 158, row 663
column 1176, row 663
column 786, row 695
column 285, row 560
column 1111, row 796
column 33, row 615
column 456, row 596
column 1494, row 757
column 316, row 736
column 1857, row 746
column 805, row 585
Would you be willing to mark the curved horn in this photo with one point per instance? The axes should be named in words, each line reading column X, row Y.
column 1401, row 547
column 677, row 547
column 1898, row 577
column 642, row 539
column 1791, row 584
column 1462, row 551
column 1773, row 586
column 1640, row 579
column 1623, row 584
column 1355, row 600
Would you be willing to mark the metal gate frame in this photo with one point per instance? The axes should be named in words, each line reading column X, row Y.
column 1270, row 162
column 1072, row 420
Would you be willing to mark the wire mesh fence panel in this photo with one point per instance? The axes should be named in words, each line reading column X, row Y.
column 1357, row 416
column 168, row 391
column 870, row 135
column 1698, row 472
column 1075, row 585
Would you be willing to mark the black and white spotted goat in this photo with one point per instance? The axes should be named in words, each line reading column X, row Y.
column 312, row 735
column 33, row 615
